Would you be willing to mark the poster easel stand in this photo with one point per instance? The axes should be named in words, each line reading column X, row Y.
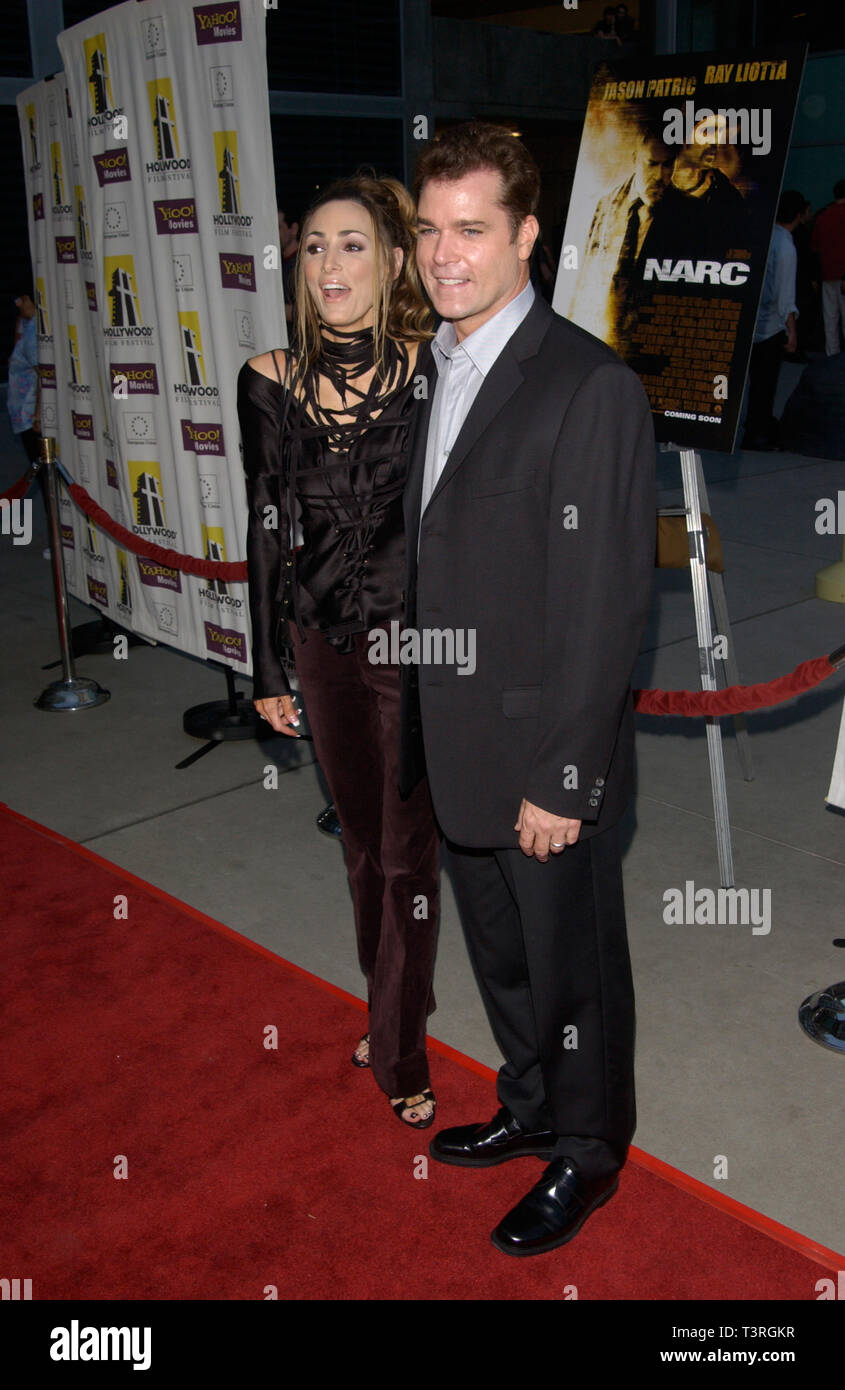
column 695, row 501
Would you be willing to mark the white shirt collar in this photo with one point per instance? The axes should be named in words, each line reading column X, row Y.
column 484, row 345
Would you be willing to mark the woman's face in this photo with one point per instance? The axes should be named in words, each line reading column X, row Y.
column 339, row 253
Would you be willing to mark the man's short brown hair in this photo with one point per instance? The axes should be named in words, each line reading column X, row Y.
column 463, row 149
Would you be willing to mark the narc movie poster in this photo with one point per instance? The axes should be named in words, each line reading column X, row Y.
column 676, row 189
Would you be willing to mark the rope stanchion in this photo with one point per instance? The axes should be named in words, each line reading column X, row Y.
column 232, row 571
column 700, row 703
column 72, row 692
column 691, row 704
column 21, row 487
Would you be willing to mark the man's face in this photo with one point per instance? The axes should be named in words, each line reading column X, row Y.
column 707, row 135
column 469, row 263
column 653, row 170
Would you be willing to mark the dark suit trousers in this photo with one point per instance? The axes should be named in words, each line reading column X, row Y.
column 392, row 848
column 549, row 948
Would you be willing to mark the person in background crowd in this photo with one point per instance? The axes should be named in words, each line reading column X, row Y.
column 605, row 28
column 828, row 240
column 807, row 284
column 625, row 26
column 289, row 244
column 775, row 328
column 325, row 431
column 23, row 399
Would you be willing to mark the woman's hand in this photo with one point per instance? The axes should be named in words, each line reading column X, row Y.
column 280, row 713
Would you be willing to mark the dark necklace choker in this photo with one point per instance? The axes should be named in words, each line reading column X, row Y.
column 342, row 360
column 350, row 353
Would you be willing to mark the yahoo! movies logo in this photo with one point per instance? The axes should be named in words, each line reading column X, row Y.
column 175, row 216
column 112, row 165
column 237, row 272
column 169, row 158
column 122, row 293
column 97, row 591
column 218, row 23
column 99, row 83
column 202, row 437
column 224, row 642
column 66, row 250
column 133, row 379
column 150, row 518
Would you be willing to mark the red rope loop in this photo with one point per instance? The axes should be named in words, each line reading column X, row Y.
column 20, row 488
column 689, row 703
column 737, row 697
column 233, row 571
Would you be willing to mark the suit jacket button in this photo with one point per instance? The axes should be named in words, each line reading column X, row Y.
column 599, row 781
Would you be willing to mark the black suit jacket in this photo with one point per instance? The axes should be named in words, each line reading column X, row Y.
column 540, row 536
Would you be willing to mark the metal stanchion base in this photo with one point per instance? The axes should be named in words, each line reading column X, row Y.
column 822, row 1016
column 77, row 693
column 98, row 637
column 218, row 721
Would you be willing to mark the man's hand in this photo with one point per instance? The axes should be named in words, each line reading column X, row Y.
column 541, row 832
column 280, row 712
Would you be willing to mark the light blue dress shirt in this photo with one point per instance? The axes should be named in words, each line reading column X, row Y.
column 461, row 369
column 777, row 300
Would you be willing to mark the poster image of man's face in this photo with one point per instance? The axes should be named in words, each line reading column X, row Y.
column 707, row 136
column 653, row 167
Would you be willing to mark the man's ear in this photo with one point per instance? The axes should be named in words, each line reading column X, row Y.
column 398, row 259
column 529, row 230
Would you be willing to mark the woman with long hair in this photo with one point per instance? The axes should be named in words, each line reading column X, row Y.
column 326, row 431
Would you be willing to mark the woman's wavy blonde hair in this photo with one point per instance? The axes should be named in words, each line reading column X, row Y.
column 399, row 307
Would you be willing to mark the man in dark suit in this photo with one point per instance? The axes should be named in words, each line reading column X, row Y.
column 530, row 514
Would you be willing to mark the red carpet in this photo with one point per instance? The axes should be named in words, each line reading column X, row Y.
column 248, row 1167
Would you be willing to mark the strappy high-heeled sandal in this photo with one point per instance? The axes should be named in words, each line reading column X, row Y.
column 410, row 1104
column 358, row 1059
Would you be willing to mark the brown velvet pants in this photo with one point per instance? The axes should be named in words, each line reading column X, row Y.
column 392, row 848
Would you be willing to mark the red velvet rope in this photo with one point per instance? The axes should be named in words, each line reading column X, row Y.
column 18, row 489
column 232, row 571
column 737, row 697
column 685, row 702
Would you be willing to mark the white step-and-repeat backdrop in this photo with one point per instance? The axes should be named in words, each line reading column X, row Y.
column 154, row 240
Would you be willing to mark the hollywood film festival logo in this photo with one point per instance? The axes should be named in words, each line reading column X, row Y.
column 103, row 111
column 60, row 206
column 170, row 160
column 125, row 321
column 195, row 384
column 232, row 219
column 149, row 520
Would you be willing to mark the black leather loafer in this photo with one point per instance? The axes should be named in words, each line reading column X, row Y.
column 553, row 1211
column 482, row 1146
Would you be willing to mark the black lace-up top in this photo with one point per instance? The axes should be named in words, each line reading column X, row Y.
column 342, row 481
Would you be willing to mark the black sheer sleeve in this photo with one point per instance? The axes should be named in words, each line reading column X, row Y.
column 268, row 546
